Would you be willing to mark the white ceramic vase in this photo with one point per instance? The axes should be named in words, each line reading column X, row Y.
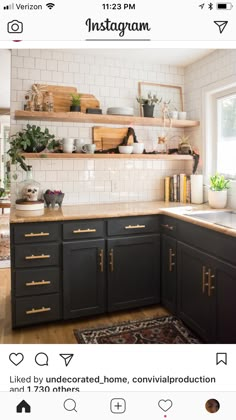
column 217, row 199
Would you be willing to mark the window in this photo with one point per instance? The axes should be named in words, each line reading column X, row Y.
column 226, row 135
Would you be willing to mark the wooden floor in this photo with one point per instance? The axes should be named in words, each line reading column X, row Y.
column 60, row 332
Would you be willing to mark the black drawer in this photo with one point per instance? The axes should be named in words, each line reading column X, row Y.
column 36, row 232
column 133, row 225
column 36, row 255
column 83, row 229
column 169, row 226
column 37, row 309
column 36, row 281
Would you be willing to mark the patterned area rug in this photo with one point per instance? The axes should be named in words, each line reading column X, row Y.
column 4, row 243
column 165, row 330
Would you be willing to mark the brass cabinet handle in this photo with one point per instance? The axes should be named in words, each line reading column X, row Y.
column 37, row 257
column 32, row 235
column 135, row 227
column 101, row 263
column 111, row 263
column 84, row 230
column 204, row 274
column 210, row 277
column 169, row 227
column 171, row 262
column 38, row 283
column 37, row 311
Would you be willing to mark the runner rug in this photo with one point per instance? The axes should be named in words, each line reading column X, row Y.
column 165, row 330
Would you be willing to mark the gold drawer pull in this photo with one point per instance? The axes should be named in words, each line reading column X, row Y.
column 111, row 254
column 210, row 277
column 135, row 227
column 37, row 257
column 38, row 283
column 171, row 262
column 32, row 235
column 84, row 230
column 101, row 263
column 204, row 274
column 37, row 311
column 169, row 227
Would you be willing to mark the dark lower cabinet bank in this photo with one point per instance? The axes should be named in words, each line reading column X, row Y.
column 70, row 269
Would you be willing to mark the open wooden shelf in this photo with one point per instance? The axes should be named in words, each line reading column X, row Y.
column 104, row 156
column 80, row 117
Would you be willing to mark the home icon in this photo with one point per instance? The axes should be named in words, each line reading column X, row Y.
column 23, row 406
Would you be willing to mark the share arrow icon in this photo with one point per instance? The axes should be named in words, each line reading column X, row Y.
column 221, row 24
column 67, row 358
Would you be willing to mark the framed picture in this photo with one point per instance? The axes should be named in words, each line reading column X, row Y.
column 166, row 92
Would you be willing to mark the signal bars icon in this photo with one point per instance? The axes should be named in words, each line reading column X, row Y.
column 50, row 5
column 9, row 7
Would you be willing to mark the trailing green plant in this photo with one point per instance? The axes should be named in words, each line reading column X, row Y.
column 150, row 100
column 75, row 99
column 218, row 182
column 30, row 139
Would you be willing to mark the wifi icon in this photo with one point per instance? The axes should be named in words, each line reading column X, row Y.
column 50, row 5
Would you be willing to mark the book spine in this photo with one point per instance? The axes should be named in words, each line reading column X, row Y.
column 171, row 189
column 188, row 195
column 175, row 187
column 185, row 189
column 178, row 189
column 167, row 188
column 181, row 198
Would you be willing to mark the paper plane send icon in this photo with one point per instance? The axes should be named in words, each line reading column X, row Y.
column 221, row 24
column 67, row 358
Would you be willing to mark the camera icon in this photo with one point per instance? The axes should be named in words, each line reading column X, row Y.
column 15, row 27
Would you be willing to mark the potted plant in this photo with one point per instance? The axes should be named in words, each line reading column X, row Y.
column 148, row 104
column 217, row 194
column 31, row 139
column 75, row 102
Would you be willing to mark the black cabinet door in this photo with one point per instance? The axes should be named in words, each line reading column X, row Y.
column 133, row 271
column 196, row 305
column 225, row 289
column 168, row 272
column 83, row 278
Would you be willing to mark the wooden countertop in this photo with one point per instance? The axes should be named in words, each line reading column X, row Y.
column 109, row 210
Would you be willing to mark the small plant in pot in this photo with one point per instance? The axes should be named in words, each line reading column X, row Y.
column 75, row 102
column 148, row 104
column 217, row 194
column 31, row 139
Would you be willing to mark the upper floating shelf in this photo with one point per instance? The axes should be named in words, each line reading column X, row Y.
column 101, row 119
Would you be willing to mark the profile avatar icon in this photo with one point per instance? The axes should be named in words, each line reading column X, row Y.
column 212, row 405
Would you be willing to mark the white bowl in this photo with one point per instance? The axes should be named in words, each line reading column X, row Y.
column 125, row 149
column 138, row 148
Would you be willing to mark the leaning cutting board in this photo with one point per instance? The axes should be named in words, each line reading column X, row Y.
column 108, row 137
column 62, row 98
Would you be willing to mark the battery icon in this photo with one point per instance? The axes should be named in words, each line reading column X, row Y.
column 224, row 6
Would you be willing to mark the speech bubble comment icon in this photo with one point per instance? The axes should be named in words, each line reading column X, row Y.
column 41, row 359
column 70, row 405
column 165, row 405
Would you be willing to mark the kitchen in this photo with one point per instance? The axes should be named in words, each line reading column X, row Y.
column 106, row 190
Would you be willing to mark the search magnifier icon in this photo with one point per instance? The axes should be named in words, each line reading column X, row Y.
column 70, row 405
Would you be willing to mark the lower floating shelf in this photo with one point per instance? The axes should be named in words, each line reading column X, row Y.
column 105, row 156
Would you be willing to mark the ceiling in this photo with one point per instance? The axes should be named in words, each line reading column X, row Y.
column 172, row 56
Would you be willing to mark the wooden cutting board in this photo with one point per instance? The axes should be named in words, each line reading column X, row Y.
column 62, row 98
column 108, row 137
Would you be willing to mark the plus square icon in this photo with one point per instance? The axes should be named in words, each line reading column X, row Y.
column 118, row 405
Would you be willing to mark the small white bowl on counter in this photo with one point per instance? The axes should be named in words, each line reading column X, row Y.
column 125, row 149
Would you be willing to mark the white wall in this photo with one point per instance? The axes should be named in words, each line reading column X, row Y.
column 200, row 76
column 114, row 82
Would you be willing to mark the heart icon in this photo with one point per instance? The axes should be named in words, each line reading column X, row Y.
column 165, row 405
column 16, row 358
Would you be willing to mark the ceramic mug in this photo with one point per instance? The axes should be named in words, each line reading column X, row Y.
column 138, row 148
column 88, row 148
column 182, row 115
column 68, row 145
column 78, row 145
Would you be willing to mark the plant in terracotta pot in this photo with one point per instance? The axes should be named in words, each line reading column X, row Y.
column 148, row 104
column 75, row 102
column 217, row 194
column 31, row 139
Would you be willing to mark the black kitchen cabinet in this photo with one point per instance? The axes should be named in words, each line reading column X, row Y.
column 196, row 298
column 83, row 278
column 133, row 271
column 168, row 272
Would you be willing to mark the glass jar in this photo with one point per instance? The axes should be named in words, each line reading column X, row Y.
column 29, row 191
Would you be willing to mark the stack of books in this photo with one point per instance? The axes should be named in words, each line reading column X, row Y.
column 177, row 188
